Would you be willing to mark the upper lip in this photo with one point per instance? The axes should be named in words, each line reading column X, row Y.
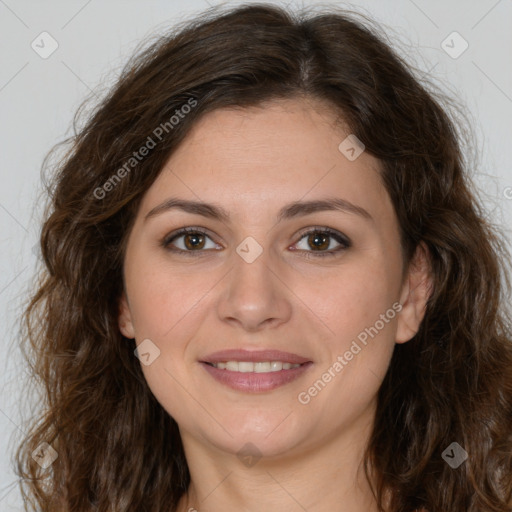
column 254, row 356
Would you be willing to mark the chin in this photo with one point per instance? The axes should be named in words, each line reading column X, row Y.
column 267, row 434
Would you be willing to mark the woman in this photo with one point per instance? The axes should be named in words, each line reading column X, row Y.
column 268, row 283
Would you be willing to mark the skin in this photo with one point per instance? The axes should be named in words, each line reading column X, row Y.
column 252, row 162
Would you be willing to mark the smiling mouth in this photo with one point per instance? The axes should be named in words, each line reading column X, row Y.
column 254, row 367
column 255, row 371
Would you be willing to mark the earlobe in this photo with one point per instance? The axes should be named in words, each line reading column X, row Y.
column 125, row 318
column 415, row 294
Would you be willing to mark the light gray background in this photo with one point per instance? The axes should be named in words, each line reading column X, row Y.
column 38, row 98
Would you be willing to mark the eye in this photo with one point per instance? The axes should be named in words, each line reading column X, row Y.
column 188, row 240
column 320, row 239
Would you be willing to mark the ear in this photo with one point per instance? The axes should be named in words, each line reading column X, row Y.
column 125, row 318
column 415, row 292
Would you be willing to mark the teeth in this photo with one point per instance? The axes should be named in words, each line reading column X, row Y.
column 259, row 367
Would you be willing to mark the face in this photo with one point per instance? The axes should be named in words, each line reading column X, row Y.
column 273, row 319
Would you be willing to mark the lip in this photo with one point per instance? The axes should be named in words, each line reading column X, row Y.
column 252, row 382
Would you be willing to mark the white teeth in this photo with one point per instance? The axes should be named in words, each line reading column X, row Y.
column 245, row 367
column 261, row 367
column 258, row 367
column 232, row 365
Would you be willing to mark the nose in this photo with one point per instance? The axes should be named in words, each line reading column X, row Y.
column 255, row 294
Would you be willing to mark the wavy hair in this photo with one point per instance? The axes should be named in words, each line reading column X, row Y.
column 451, row 383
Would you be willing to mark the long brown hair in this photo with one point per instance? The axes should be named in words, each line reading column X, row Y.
column 118, row 449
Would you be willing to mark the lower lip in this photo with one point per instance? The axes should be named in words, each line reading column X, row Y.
column 256, row 382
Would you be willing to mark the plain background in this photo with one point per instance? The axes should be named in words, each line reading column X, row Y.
column 38, row 98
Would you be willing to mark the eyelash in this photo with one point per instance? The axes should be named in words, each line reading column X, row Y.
column 344, row 241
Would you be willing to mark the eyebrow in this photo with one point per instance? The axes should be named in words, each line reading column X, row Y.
column 290, row 211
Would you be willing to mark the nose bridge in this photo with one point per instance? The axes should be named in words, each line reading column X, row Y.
column 253, row 267
column 255, row 294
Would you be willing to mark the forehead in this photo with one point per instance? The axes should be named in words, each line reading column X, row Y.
column 284, row 151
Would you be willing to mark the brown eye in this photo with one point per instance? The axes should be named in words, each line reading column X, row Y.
column 322, row 241
column 318, row 241
column 194, row 241
column 188, row 240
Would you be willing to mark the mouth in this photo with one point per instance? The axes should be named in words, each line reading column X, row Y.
column 255, row 371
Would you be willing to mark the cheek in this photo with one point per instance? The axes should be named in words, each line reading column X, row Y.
column 165, row 299
column 352, row 299
column 359, row 306
column 168, row 308
column 358, row 309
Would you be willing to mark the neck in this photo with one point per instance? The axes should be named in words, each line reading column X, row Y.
column 325, row 476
